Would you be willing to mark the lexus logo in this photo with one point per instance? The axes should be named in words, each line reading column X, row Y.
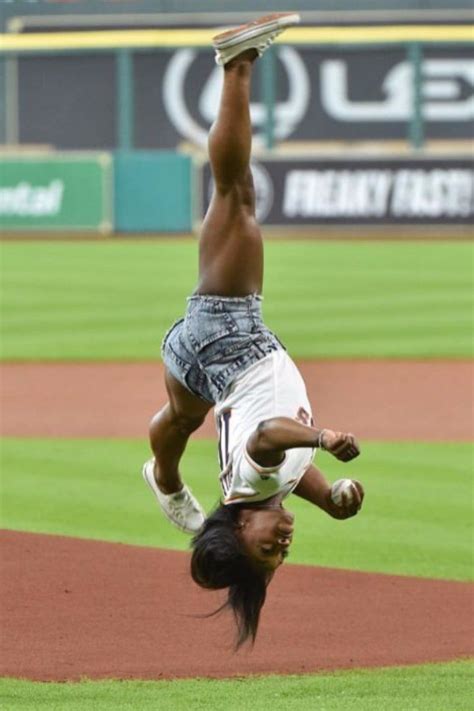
column 445, row 83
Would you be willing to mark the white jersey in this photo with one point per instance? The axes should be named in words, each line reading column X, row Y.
column 272, row 387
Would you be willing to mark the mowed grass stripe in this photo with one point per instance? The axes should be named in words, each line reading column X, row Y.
column 419, row 688
column 416, row 517
column 114, row 300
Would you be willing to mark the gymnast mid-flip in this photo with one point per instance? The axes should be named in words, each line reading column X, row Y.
column 222, row 355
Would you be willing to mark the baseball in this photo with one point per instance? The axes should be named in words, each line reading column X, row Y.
column 342, row 486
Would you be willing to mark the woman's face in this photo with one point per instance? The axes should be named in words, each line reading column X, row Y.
column 266, row 535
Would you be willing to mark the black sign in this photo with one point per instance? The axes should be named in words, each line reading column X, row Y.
column 321, row 94
column 360, row 191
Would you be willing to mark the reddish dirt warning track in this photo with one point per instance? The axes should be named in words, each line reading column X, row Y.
column 392, row 400
column 73, row 608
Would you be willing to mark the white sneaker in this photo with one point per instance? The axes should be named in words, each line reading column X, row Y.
column 182, row 509
column 257, row 35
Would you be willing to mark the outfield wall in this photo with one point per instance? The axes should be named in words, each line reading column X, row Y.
column 57, row 192
column 96, row 192
column 296, row 191
column 156, row 97
column 153, row 191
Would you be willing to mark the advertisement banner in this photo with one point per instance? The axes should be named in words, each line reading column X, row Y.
column 321, row 94
column 360, row 191
column 70, row 192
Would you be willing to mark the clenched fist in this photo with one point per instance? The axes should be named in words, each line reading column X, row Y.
column 341, row 445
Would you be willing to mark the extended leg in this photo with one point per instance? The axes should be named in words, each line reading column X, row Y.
column 230, row 258
column 170, row 430
column 230, row 248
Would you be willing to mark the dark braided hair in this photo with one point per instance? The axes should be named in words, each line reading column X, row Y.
column 219, row 561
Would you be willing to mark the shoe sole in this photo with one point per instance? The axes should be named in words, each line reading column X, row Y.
column 268, row 23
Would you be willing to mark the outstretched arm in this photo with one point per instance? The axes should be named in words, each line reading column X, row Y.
column 273, row 437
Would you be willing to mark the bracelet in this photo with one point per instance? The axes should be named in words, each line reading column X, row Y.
column 320, row 440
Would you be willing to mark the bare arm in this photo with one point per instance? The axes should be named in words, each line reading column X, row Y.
column 273, row 437
column 315, row 488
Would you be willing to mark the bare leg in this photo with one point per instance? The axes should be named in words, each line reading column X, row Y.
column 230, row 246
column 170, row 430
column 230, row 257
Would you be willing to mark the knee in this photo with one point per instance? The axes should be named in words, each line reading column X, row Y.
column 179, row 420
column 248, row 190
column 186, row 423
column 240, row 189
column 247, row 186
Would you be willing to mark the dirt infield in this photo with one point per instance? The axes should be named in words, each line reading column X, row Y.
column 392, row 400
column 73, row 608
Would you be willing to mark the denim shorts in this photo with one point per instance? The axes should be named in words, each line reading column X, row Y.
column 217, row 340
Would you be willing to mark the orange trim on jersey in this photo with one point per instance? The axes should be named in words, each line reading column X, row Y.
column 262, row 470
column 229, row 500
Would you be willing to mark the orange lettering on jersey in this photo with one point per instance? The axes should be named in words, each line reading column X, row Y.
column 304, row 417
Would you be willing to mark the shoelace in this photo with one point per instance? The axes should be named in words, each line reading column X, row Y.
column 267, row 42
column 182, row 503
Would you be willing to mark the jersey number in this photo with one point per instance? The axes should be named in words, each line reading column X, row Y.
column 304, row 417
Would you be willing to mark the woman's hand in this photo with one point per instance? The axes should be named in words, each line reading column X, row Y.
column 351, row 502
column 341, row 445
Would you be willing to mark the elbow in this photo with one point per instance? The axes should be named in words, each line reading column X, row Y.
column 263, row 435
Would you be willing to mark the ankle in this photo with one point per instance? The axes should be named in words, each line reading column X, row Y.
column 167, row 486
column 246, row 59
column 168, row 489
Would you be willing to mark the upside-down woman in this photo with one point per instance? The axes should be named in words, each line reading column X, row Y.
column 222, row 355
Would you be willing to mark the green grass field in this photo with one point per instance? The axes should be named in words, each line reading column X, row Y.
column 113, row 301
column 433, row 687
column 93, row 489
